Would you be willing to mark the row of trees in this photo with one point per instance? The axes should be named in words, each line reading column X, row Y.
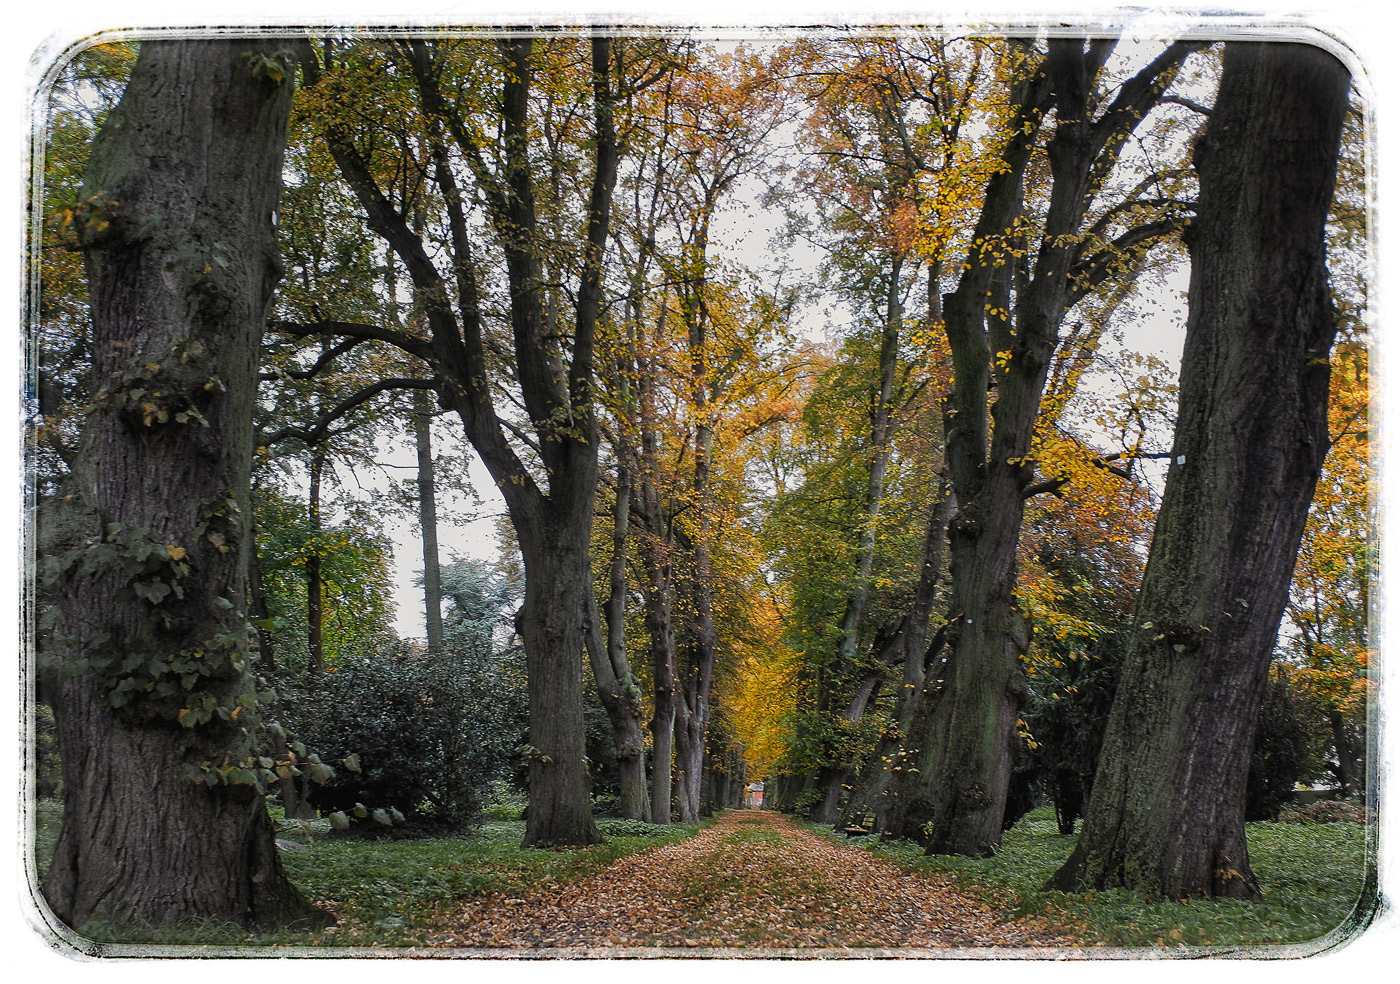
column 763, row 535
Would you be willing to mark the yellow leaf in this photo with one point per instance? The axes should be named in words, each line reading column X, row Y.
column 176, row 553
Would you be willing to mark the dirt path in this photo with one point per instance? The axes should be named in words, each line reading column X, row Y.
column 754, row 880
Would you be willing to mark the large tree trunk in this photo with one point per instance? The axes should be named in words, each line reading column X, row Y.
column 1166, row 815
column 553, row 627
column 182, row 260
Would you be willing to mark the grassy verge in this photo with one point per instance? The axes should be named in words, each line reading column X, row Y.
column 394, row 893
column 1313, row 876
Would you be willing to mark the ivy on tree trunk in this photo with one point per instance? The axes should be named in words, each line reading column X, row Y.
column 154, row 694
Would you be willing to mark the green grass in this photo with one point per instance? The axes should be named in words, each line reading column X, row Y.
column 394, row 893
column 1313, row 877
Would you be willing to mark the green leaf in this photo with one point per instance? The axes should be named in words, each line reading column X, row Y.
column 340, row 821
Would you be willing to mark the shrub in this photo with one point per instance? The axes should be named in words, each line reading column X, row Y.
column 430, row 731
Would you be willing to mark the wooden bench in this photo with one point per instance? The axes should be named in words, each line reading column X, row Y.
column 863, row 826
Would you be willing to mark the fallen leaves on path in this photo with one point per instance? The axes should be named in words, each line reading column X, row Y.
column 753, row 880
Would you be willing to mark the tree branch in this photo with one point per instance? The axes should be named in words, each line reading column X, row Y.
column 327, row 357
column 1190, row 104
column 362, row 332
column 1092, row 271
column 1053, row 485
column 320, row 429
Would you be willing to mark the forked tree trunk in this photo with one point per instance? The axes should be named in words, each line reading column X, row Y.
column 1003, row 324
column 1166, row 815
column 182, row 260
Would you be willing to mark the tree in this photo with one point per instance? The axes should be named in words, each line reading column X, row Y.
column 867, row 145
column 356, row 579
column 154, row 694
column 427, row 518
column 524, row 205
column 1003, row 321
column 1167, row 811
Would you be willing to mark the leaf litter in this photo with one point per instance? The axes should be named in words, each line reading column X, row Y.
column 752, row 881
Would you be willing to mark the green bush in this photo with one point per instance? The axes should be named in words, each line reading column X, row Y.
column 430, row 731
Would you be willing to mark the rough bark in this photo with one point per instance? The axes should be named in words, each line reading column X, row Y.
column 1166, row 814
column 182, row 260
column 552, row 624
